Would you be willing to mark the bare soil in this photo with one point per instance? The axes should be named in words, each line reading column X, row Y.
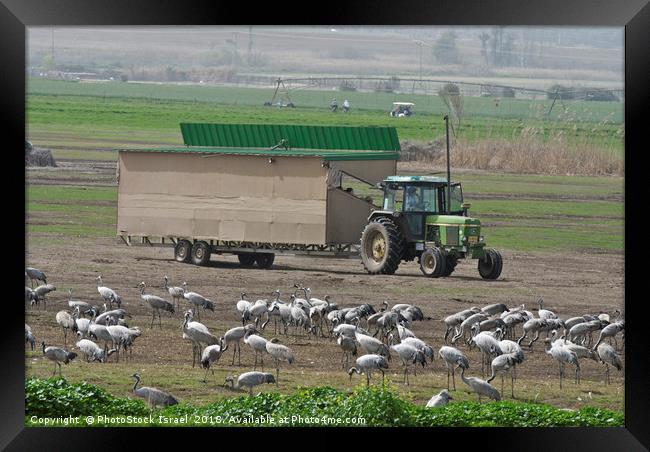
column 571, row 284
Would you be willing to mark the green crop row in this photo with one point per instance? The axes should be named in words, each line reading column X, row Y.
column 367, row 406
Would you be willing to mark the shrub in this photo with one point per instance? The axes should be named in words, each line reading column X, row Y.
column 377, row 405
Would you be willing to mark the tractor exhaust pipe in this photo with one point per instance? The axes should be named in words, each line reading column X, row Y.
column 448, row 203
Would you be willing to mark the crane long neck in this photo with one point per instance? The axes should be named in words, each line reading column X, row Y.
column 462, row 374
column 137, row 380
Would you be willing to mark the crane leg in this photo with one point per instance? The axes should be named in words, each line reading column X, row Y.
column 512, row 386
column 501, row 385
column 277, row 373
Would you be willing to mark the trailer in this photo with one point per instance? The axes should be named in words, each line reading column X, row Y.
column 253, row 190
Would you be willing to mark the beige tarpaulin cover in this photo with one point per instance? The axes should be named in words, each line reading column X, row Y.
column 222, row 197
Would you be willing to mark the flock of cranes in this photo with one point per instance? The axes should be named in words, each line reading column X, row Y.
column 371, row 337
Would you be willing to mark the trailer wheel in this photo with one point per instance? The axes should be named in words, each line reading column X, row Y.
column 382, row 246
column 200, row 253
column 490, row 267
column 182, row 251
column 433, row 263
column 246, row 260
column 264, row 260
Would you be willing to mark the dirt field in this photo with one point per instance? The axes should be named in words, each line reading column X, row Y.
column 571, row 284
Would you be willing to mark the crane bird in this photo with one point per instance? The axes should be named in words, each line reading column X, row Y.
column 488, row 345
column 198, row 334
column 93, row 352
column 67, row 322
column 41, row 291
column 234, row 336
column 197, row 300
column 563, row 356
column 372, row 345
column 409, row 354
column 608, row 355
column 542, row 313
column 279, row 353
column 29, row 336
column 493, row 309
column 58, row 355
column 439, row 400
column 122, row 336
column 453, row 321
column 154, row 396
column 34, row 274
column 503, row 363
column 243, row 304
column 367, row 363
column 452, row 358
column 466, row 325
column 81, row 305
column 211, row 355
column 480, row 387
column 349, row 347
column 258, row 344
column 610, row 331
column 109, row 295
column 175, row 292
column 250, row 380
column 156, row 304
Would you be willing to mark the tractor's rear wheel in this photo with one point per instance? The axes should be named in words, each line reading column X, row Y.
column 450, row 265
column 433, row 262
column 382, row 246
column 246, row 260
column 264, row 260
column 200, row 253
column 183, row 251
column 490, row 267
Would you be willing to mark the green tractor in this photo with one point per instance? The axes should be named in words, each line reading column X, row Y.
column 416, row 222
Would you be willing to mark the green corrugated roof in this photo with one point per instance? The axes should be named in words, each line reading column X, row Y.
column 325, row 155
column 297, row 136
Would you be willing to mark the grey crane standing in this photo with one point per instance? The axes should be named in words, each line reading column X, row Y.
column 367, row 363
column 109, row 295
column 175, row 292
column 480, row 387
column 41, row 292
column 610, row 331
column 198, row 334
column 608, row 356
column 279, row 353
column 453, row 358
column 156, row 304
column 211, row 355
column 250, row 380
column 29, row 336
column 409, row 354
column 349, row 347
column 563, row 356
column 500, row 364
column 58, row 355
column 34, row 274
column 93, row 352
column 234, row 336
column 67, row 322
column 154, row 396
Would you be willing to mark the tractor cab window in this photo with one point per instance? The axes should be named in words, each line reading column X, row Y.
column 394, row 195
column 420, row 198
column 456, row 198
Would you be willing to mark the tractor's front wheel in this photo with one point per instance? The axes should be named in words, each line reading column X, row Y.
column 450, row 265
column 491, row 265
column 382, row 246
column 433, row 263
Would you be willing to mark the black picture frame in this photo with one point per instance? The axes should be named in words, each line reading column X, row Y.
column 634, row 15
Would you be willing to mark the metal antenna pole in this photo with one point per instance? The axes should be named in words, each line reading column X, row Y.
column 448, row 167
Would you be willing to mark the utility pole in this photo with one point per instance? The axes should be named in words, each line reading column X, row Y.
column 448, row 203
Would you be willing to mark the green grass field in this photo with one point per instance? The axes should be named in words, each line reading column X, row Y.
column 71, row 115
